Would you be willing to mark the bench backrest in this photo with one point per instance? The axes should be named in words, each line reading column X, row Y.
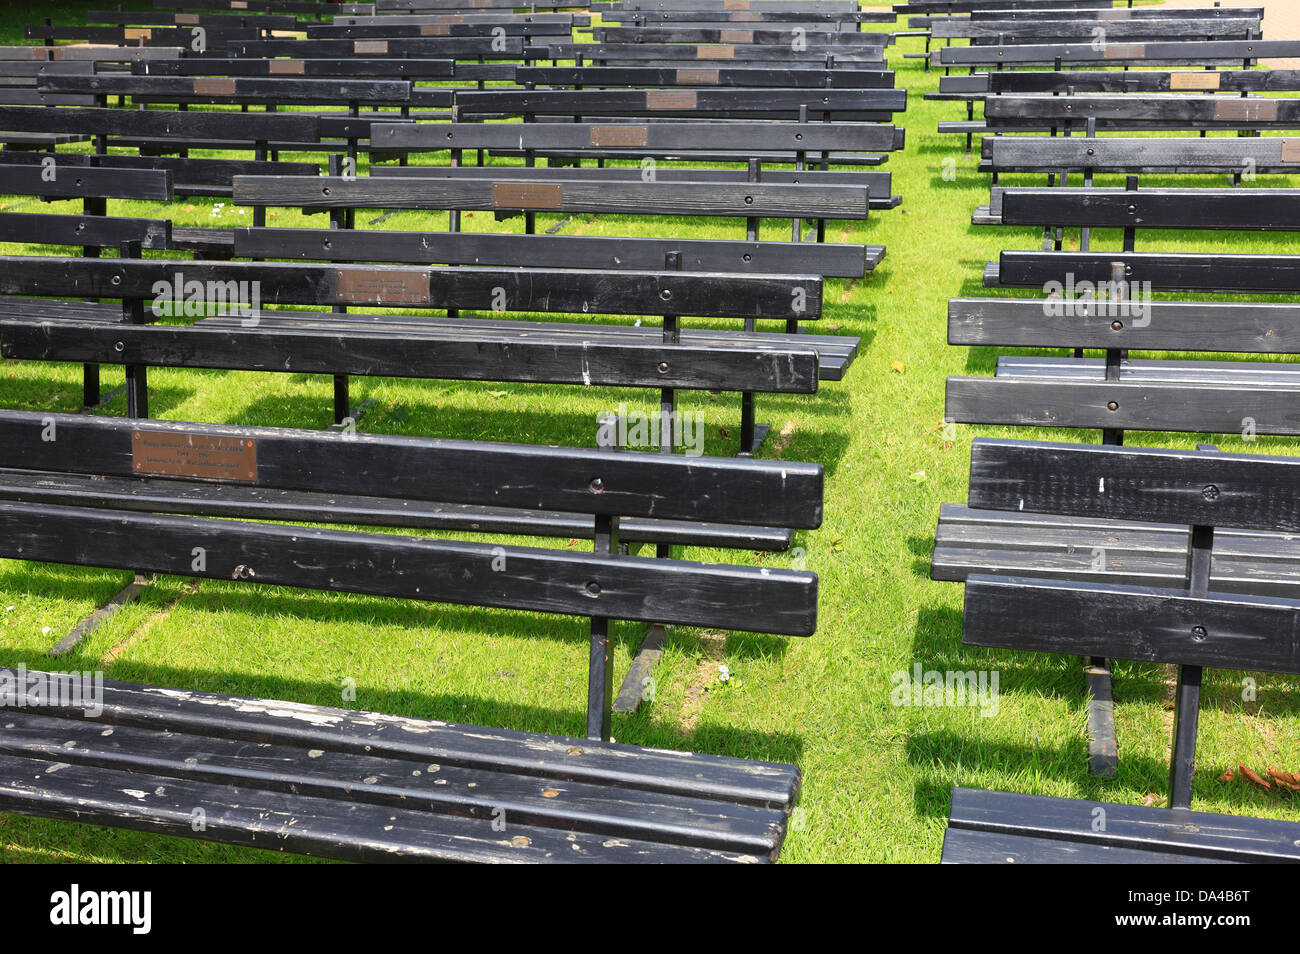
column 596, row 483
column 1091, row 617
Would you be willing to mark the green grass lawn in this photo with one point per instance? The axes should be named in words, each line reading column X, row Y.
column 877, row 776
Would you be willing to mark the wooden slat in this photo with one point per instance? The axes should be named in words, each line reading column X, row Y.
column 565, row 195
column 1114, row 154
column 484, row 289
column 1236, row 327
column 161, row 124
column 965, row 847
column 1114, row 621
column 326, row 350
column 660, row 135
column 210, row 499
column 1178, row 51
column 1185, row 406
column 1278, row 274
column 83, row 230
column 737, row 76
column 475, row 574
column 1162, row 486
column 555, row 251
column 1176, row 834
column 1243, row 209
column 631, row 484
column 85, row 182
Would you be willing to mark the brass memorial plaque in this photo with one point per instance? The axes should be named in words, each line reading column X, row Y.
column 1291, row 150
column 670, row 99
column 736, row 36
column 524, row 195
column 214, row 86
column 715, row 51
column 1125, row 51
column 1201, row 79
column 435, row 29
column 745, row 18
column 1246, row 110
column 370, row 46
column 698, row 77
column 618, row 136
column 186, row 19
column 286, row 66
column 137, row 33
column 184, row 454
column 382, row 286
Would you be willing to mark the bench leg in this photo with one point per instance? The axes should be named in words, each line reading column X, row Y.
column 600, row 668
column 342, row 399
column 600, row 681
column 1103, row 743
column 137, row 390
column 90, row 386
column 752, row 434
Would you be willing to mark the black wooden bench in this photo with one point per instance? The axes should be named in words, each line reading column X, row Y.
column 463, row 348
column 1185, row 617
column 359, row 786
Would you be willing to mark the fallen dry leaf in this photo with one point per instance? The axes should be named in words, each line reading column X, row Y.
column 1152, row 799
column 898, row 366
column 1227, row 776
column 1253, row 777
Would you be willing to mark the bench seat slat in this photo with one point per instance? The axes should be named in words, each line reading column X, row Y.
column 201, row 499
column 546, row 251
column 334, row 350
column 1176, row 834
column 1045, row 546
column 834, row 352
column 419, row 741
column 963, row 846
column 529, row 800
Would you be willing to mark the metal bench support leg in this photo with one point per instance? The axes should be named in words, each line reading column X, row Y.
column 1187, row 697
column 600, row 668
column 1103, row 743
